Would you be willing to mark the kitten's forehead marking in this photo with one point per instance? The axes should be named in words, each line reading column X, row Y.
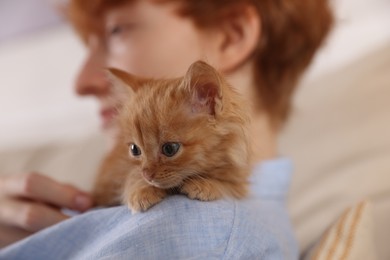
column 145, row 130
column 156, row 106
column 137, row 126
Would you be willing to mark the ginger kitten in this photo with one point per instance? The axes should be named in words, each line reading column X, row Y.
column 185, row 135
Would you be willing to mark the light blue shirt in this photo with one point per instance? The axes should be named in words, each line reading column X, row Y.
column 178, row 228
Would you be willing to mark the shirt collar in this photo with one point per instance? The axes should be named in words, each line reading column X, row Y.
column 271, row 179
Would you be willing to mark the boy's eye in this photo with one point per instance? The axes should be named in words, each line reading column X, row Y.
column 170, row 149
column 116, row 30
column 120, row 28
column 135, row 150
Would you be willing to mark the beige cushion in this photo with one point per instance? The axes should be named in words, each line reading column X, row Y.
column 339, row 139
column 349, row 238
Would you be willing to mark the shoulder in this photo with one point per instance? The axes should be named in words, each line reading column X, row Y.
column 181, row 228
column 176, row 228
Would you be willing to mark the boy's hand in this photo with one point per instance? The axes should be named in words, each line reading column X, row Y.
column 31, row 202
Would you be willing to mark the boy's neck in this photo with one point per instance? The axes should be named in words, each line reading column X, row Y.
column 263, row 138
column 263, row 134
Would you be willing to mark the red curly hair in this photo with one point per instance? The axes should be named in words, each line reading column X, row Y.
column 292, row 31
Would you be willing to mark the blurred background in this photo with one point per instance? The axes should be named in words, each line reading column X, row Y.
column 39, row 59
column 44, row 126
column 338, row 135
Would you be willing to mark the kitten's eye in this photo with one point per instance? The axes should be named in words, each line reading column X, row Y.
column 170, row 149
column 135, row 150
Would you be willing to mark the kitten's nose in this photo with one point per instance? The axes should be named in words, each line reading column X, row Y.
column 148, row 174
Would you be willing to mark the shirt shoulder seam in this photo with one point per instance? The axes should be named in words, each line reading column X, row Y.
column 231, row 230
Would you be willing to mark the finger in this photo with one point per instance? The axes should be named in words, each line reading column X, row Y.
column 29, row 216
column 42, row 188
column 9, row 235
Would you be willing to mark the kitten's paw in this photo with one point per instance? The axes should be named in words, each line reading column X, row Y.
column 145, row 198
column 201, row 189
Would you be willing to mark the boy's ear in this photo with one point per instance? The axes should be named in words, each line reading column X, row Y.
column 238, row 38
column 205, row 87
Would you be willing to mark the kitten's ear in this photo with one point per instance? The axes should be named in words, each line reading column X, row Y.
column 123, row 82
column 205, row 86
